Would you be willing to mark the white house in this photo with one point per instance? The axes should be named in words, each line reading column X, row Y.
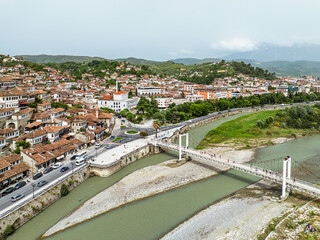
column 118, row 101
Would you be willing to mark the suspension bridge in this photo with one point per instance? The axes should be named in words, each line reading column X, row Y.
column 278, row 170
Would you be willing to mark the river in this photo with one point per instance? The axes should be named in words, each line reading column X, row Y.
column 152, row 217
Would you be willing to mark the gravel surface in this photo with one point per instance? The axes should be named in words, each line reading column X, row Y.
column 242, row 216
column 140, row 184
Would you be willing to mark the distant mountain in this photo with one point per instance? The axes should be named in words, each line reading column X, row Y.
column 191, row 61
column 267, row 53
column 286, row 68
column 58, row 58
column 137, row 61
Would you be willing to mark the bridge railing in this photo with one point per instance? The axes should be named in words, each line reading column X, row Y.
column 245, row 167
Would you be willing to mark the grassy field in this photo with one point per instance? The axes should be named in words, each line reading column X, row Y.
column 243, row 130
column 117, row 139
column 132, row 132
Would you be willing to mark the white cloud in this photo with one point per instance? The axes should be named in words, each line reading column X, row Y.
column 186, row 52
column 236, row 44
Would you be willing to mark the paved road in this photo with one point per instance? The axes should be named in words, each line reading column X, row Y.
column 28, row 189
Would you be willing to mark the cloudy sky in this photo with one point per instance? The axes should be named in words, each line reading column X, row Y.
column 158, row 30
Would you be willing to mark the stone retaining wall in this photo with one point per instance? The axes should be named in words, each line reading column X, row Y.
column 107, row 170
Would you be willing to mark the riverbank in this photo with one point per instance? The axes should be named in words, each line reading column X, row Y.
column 138, row 185
column 243, row 132
column 150, row 181
column 242, row 216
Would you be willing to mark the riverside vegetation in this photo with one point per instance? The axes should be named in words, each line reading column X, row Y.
column 259, row 128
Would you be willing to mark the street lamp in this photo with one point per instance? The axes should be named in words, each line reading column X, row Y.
column 33, row 186
column 72, row 163
column 96, row 147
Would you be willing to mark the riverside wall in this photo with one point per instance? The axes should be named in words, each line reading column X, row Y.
column 108, row 169
column 32, row 208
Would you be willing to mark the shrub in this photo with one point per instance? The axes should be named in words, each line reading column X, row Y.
column 290, row 225
column 269, row 133
column 70, row 182
column 260, row 124
column 294, row 135
column 269, row 120
column 64, row 190
column 8, row 231
column 143, row 134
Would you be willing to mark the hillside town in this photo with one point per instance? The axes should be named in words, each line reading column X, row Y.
column 47, row 116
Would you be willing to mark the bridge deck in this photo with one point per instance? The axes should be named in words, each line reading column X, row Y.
column 257, row 171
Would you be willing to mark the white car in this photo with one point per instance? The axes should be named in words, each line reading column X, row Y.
column 17, row 197
column 57, row 165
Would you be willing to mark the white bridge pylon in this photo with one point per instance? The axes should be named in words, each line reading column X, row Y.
column 285, row 175
column 180, row 143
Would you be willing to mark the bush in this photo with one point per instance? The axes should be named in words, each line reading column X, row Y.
column 290, row 225
column 260, row 124
column 143, row 134
column 269, row 133
column 64, row 190
column 8, row 231
column 70, row 182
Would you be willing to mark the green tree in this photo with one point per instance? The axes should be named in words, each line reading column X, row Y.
column 156, row 126
column 64, row 190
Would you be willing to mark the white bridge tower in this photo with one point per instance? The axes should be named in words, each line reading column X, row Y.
column 180, row 143
column 285, row 174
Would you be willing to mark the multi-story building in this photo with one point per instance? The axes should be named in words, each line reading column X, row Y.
column 11, row 169
column 6, row 83
column 164, row 102
column 149, row 91
column 118, row 102
column 13, row 98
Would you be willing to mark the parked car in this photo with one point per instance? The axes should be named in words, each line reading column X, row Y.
column 64, row 169
column 73, row 157
column 8, row 191
column 17, row 197
column 112, row 137
column 109, row 146
column 57, row 165
column 38, row 175
column 42, row 183
column 20, row 184
column 47, row 170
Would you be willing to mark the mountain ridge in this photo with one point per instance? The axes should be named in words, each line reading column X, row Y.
column 282, row 68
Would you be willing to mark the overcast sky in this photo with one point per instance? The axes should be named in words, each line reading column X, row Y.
column 158, row 30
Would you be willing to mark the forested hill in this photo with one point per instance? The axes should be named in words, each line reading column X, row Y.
column 58, row 58
column 207, row 73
